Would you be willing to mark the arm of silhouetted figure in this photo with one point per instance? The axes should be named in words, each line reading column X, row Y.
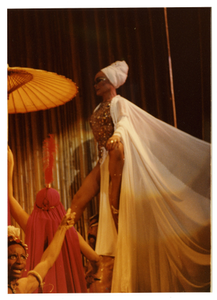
column 87, row 250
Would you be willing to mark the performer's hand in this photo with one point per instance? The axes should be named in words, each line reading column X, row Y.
column 95, row 266
column 92, row 269
column 113, row 142
column 89, row 274
column 68, row 220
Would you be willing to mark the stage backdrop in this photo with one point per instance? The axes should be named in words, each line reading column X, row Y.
column 77, row 43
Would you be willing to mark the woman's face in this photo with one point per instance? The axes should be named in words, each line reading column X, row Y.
column 101, row 84
column 16, row 261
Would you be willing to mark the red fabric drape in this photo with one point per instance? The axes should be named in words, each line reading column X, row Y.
column 66, row 275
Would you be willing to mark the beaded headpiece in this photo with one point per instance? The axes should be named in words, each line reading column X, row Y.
column 14, row 236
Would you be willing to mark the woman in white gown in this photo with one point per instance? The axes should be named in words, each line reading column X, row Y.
column 154, row 183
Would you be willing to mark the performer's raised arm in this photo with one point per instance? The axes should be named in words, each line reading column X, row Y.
column 17, row 212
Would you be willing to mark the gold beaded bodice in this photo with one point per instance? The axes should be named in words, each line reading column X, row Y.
column 102, row 125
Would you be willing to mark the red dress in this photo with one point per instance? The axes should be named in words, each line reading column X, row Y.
column 67, row 274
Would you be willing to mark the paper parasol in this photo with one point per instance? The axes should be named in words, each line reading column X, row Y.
column 32, row 90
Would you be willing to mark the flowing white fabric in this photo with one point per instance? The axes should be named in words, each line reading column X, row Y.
column 163, row 241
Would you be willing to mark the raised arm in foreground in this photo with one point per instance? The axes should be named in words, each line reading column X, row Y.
column 35, row 277
column 17, row 212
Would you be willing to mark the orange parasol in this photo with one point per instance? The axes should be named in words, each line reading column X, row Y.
column 32, row 90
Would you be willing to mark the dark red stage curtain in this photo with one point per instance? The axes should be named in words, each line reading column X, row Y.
column 77, row 43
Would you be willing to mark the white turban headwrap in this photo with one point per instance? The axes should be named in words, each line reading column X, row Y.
column 116, row 73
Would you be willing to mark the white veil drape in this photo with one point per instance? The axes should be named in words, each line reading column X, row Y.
column 163, row 241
